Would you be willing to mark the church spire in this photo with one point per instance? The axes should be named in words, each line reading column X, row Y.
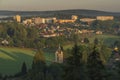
column 59, row 55
column 59, row 48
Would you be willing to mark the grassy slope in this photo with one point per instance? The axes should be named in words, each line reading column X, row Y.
column 106, row 39
column 11, row 59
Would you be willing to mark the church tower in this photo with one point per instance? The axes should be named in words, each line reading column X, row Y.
column 59, row 55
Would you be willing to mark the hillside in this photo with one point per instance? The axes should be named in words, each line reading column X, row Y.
column 11, row 59
column 51, row 13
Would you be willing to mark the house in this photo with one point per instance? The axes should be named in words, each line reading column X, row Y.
column 17, row 18
column 105, row 18
column 65, row 21
column 5, row 42
column 88, row 20
column 99, row 32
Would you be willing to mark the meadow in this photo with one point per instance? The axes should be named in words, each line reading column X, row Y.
column 11, row 59
column 106, row 39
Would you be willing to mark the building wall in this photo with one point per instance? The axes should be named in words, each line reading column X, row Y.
column 38, row 20
column 59, row 56
column 65, row 21
column 104, row 18
column 87, row 19
column 17, row 18
column 44, row 20
column 50, row 20
column 74, row 17
column 27, row 21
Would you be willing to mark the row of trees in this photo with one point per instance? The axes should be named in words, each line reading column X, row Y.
column 111, row 27
column 75, row 67
column 20, row 36
column 82, row 63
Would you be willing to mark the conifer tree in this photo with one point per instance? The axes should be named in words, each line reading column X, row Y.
column 96, row 41
column 39, row 66
column 24, row 69
column 96, row 69
column 74, row 66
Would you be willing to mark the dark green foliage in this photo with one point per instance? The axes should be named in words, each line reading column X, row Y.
column 18, row 35
column 117, row 70
column 1, row 76
column 11, row 31
column 74, row 66
column 96, row 41
column 39, row 57
column 5, row 77
column 55, row 71
column 38, row 67
column 86, row 40
column 96, row 69
column 24, row 69
column 117, row 44
column 39, row 64
column 109, row 26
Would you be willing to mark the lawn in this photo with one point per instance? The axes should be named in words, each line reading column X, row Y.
column 11, row 59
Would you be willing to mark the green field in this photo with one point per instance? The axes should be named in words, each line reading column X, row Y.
column 106, row 39
column 11, row 59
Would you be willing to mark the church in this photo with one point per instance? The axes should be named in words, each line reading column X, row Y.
column 59, row 55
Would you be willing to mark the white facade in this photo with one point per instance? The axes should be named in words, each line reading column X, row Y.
column 104, row 18
column 59, row 55
column 74, row 17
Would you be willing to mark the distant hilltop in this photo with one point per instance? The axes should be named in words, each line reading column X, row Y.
column 71, row 12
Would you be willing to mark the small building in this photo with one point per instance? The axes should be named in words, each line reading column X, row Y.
column 50, row 20
column 116, row 48
column 27, row 21
column 99, row 32
column 59, row 55
column 17, row 18
column 49, row 35
column 105, row 18
column 74, row 17
column 38, row 20
column 65, row 21
column 5, row 42
column 88, row 20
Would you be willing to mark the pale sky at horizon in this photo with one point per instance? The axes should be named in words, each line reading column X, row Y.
column 44, row 5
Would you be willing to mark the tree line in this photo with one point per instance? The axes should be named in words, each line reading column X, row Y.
column 83, row 63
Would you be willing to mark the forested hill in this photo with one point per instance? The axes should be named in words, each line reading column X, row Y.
column 47, row 13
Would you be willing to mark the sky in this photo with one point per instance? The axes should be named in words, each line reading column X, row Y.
column 45, row 5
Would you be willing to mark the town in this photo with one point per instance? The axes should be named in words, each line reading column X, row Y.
column 52, row 27
column 50, row 42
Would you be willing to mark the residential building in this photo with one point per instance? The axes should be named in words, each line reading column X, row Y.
column 17, row 18
column 65, row 21
column 27, row 21
column 74, row 17
column 5, row 42
column 50, row 20
column 105, row 18
column 88, row 20
column 38, row 20
column 99, row 32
